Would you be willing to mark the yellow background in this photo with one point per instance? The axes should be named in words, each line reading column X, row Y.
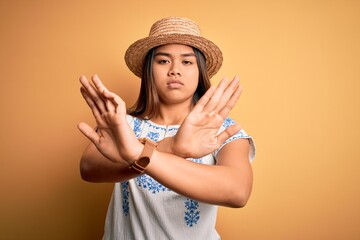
column 299, row 63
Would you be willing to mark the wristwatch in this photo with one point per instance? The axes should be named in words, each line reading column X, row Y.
column 140, row 165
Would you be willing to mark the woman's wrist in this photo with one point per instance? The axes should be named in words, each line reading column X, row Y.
column 165, row 145
column 140, row 164
column 138, row 149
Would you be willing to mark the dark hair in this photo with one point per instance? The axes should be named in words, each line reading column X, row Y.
column 147, row 104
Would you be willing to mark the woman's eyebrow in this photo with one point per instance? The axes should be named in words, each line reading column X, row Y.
column 169, row 55
column 188, row 55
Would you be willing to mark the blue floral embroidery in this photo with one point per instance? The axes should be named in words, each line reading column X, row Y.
column 196, row 160
column 192, row 216
column 161, row 128
column 156, row 127
column 150, row 184
column 137, row 129
column 125, row 197
column 228, row 122
column 173, row 129
column 153, row 136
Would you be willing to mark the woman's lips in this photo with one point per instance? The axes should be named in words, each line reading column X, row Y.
column 174, row 84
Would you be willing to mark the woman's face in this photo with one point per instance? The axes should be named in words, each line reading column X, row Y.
column 175, row 73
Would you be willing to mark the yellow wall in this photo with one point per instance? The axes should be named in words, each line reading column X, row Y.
column 299, row 62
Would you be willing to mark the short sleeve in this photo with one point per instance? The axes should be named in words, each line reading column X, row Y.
column 241, row 134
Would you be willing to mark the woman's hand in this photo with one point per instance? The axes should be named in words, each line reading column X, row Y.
column 113, row 137
column 198, row 134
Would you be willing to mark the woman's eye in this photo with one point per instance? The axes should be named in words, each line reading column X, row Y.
column 163, row 61
column 187, row 62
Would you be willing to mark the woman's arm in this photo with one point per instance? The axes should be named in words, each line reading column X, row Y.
column 114, row 146
column 94, row 167
column 228, row 183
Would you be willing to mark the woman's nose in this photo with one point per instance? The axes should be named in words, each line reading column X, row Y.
column 174, row 70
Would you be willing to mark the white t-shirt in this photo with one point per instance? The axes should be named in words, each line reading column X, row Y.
column 144, row 209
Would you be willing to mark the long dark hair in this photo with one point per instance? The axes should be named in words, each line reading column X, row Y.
column 147, row 104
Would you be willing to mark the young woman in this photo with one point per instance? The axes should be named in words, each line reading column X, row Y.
column 175, row 155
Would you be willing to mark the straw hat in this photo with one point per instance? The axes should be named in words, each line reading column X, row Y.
column 173, row 30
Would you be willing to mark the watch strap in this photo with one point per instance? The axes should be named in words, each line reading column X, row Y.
column 140, row 165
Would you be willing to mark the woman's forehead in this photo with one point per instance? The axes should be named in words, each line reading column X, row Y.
column 174, row 48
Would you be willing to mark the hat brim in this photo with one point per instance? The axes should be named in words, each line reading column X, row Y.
column 135, row 54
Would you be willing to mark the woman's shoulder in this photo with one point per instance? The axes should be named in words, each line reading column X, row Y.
column 242, row 134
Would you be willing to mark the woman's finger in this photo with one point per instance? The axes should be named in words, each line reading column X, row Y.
column 117, row 102
column 120, row 106
column 94, row 109
column 224, row 112
column 101, row 89
column 226, row 96
column 204, row 100
column 228, row 132
column 93, row 94
column 89, row 133
column 98, row 83
column 215, row 98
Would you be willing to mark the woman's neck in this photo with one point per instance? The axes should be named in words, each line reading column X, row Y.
column 172, row 114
